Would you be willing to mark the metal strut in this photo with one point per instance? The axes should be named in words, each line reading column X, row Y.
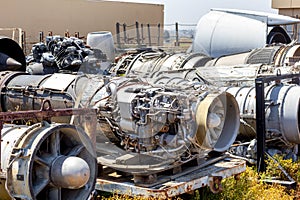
column 260, row 114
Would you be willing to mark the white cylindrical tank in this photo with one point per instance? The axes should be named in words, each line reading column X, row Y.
column 102, row 40
column 229, row 31
column 220, row 33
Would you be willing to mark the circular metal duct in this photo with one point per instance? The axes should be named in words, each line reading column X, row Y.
column 218, row 121
column 47, row 161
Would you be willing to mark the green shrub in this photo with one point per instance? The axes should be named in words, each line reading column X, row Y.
column 292, row 168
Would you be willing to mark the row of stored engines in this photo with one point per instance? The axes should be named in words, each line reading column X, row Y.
column 152, row 110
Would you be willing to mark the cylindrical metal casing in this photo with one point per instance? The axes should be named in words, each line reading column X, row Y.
column 102, row 40
column 148, row 62
column 20, row 91
column 282, row 110
column 29, row 153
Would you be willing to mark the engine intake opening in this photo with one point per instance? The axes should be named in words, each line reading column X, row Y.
column 218, row 121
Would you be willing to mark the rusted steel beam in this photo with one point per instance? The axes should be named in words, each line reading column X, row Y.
column 45, row 113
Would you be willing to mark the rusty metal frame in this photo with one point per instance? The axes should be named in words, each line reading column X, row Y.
column 181, row 183
column 45, row 113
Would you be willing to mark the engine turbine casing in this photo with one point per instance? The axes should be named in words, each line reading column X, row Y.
column 35, row 160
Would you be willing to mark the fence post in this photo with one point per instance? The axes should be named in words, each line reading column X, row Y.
column 137, row 33
column 142, row 32
column 149, row 34
column 41, row 36
column 295, row 30
column 177, row 34
column 158, row 34
column 24, row 42
column 118, row 34
column 124, row 31
column 76, row 34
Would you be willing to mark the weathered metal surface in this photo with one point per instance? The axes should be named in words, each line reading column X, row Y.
column 45, row 113
column 281, row 110
column 39, row 162
column 237, row 73
column 152, row 125
column 159, row 125
column 29, row 152
column 173, row 186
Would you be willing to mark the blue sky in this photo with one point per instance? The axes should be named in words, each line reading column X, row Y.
column 190, row 11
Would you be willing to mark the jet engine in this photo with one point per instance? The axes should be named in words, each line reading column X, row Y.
column 281, row 99
column 237, row 70
column 46, row 161
column 144, row 126
column 158, row 125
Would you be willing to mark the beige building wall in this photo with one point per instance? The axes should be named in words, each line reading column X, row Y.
column 285, row 4
column 81, row 16
column 287, row 7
